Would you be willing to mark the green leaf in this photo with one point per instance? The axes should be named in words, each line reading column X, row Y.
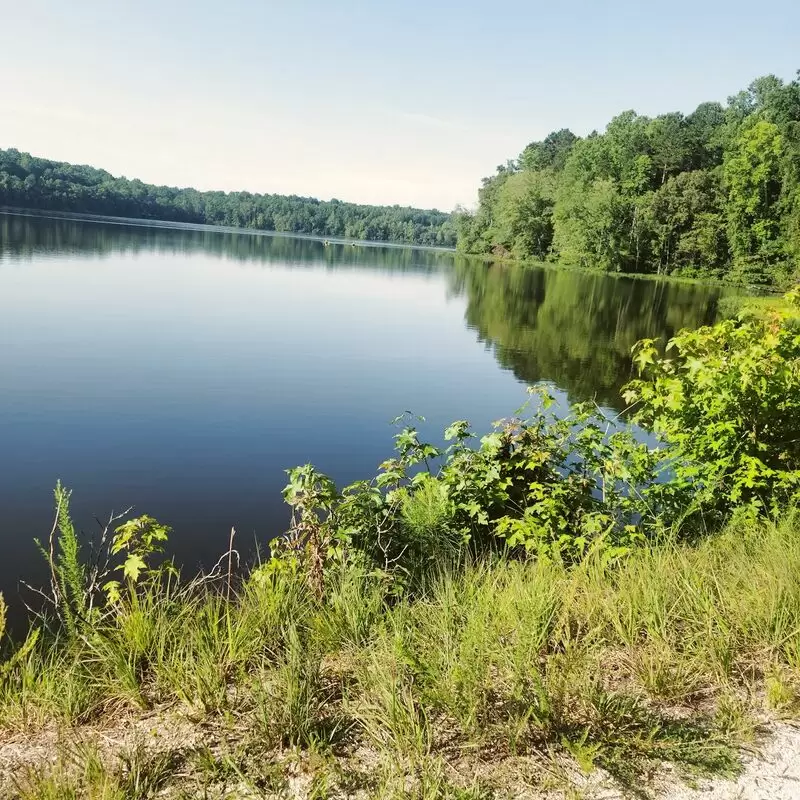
column 112, row 590
column 133, row 567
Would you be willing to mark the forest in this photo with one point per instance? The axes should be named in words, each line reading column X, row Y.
column 711, row 194
column 29, row 182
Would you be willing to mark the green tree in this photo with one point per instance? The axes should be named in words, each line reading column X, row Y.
column 670, row 144
column 597, row 226
column 523, row 220
column 713, row 193
column 550, row 153
column 38, row 183
column 707, row 133
column 753, row 180
column 687, row 223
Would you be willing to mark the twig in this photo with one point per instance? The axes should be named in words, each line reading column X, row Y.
column 41, row 594
column 215, row 571
column 230, row 559
column 99, row 572
column 52, row 560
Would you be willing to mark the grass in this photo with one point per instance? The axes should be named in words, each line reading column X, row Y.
column 497, row 677
column 81, row 772
column 732, row 306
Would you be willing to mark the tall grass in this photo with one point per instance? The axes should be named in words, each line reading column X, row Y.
column 668, row 653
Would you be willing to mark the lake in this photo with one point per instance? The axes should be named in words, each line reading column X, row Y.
column 181, row 370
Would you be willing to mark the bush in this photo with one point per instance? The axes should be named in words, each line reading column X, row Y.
column 723, row 400
column 726, row 402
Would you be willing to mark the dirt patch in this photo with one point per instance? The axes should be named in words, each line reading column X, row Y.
column 771, row 767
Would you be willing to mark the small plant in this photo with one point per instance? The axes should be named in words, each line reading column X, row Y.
column 20, row 653
column 68, row 576
column 546, row 485
column 81, row 774
column 311, row 495
column 141, row 775
column 291, row 696
column 550, row 485
column 138, row 540
column 82, row 586
column 78, row 773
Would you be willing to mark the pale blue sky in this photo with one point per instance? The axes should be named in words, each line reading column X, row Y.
column 381, row 102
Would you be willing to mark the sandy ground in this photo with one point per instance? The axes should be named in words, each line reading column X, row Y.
column 771, row 768
column 771, row 771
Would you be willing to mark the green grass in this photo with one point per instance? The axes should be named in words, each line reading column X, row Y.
column 732, row 306
column 81, row 773
column 668, row 654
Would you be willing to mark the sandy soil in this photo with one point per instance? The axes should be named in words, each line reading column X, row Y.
column 771, row 767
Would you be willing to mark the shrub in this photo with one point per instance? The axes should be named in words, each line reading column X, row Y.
column 549, row 484
column 726, row 402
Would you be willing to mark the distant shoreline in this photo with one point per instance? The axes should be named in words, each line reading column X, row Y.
column 147, row 222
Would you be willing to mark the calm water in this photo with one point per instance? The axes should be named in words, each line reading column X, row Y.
column 183, row 370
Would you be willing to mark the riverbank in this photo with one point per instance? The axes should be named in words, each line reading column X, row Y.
column 27, row 181
column 615, row 200
column 152, row 222
column 505, row 679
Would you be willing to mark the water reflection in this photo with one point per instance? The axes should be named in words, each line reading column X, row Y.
column 28, row 236
column 572, row 328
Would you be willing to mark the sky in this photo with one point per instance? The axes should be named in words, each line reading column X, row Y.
column 383, row 102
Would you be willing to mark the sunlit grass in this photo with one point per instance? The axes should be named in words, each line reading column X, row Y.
column 664, row 655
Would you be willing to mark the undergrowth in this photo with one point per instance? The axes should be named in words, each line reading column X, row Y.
column 670, row 654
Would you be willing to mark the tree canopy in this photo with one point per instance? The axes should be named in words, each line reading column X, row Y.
column 29, row 182
column 715, row 193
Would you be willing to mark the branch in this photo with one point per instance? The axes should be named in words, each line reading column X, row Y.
column 230, row 557
column 51, row 558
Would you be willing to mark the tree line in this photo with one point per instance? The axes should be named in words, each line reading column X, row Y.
column 29, row 182
column 715, row 193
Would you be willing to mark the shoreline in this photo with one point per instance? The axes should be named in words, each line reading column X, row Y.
column 752, row 289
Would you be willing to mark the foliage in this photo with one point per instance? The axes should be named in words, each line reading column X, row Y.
column 553, row 484
column 32, row 182
column 685, row 219
column 310, row 494
column 547, row 484
column 726, row 400
column 23, row 651
column 70, row 573
column 753, row 179
column 594, row 226
column 560, row 483
column 81, row 586
column 138, row 539
column 663, row 655
column 523, row 221
column 713, row 193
